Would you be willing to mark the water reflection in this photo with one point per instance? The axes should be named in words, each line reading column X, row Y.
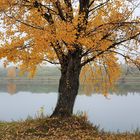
column 14, row 87
column 116, row 113
column 11, row 88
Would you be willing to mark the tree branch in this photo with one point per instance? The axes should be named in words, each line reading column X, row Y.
column 120, row 23
column 91, row 3
column 110, row 47
column 50, row 61
column 99, row 6
column 25, row 23
column 69, row 14
column 127, row 57
column 59, row 8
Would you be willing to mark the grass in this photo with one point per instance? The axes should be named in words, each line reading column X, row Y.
column 71, row 128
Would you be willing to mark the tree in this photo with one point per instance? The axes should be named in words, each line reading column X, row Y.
column 82, row 36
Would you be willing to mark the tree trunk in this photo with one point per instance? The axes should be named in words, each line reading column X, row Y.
column 68, row 88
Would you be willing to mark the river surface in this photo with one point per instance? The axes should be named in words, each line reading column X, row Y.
column 120, row 111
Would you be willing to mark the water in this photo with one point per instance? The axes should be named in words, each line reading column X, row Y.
column 120, row 111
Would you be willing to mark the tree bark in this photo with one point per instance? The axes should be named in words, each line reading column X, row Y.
column 68, row 88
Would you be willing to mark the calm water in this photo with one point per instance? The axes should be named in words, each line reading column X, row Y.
column 120, row 111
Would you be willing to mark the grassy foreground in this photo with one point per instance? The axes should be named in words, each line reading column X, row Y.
column 72, row 128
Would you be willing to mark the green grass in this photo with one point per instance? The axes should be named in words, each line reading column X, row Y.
column 71, row 128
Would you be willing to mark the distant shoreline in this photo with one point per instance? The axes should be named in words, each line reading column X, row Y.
column 55, row 79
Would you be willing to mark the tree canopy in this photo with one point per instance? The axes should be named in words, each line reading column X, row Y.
column 38, row 31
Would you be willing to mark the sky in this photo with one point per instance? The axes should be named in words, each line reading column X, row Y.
column 136, row 13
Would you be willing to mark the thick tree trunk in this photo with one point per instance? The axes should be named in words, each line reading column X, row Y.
column 68, row 88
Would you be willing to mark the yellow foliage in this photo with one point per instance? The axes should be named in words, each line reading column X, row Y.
column 43, row 30
column 101, row 75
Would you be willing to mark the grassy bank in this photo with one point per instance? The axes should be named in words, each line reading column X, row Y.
column 72, row 128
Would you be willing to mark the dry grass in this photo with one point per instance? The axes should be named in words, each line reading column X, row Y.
column 72, row 128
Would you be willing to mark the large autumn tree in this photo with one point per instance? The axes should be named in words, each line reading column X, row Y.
column 82, row 36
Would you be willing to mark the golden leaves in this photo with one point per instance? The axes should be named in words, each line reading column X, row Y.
column 101, row 75
column 65, row 31
column 4, row 4
column 30, row 38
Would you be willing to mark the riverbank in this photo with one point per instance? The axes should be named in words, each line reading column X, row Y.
column 72, row 128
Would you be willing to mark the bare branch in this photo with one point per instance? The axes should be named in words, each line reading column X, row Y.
column 127, row 57
column 51, row 62
column 91, row 3
column 99, row 6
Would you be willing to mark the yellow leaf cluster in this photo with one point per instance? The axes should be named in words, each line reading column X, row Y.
column 30, row 38
column 102, row 75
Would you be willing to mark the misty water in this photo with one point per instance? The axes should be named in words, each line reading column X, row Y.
column 120, row 111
